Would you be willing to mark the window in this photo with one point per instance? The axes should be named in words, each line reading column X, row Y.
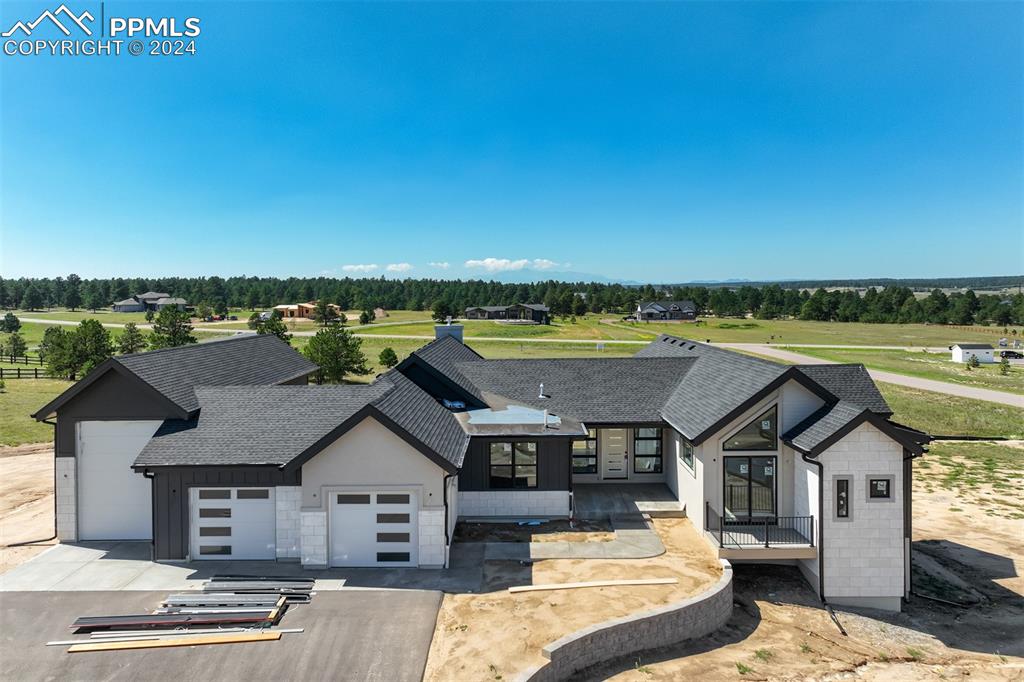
column 214, row 494
column 383, row 557
column 584, row 454
column 878, row 488
column 513, row 465
column 842, row 498
column 249, row 494
column 392, row 518
column 215, row 532
column 686, row 453
column 392, row 537
column 760, row 434
column 222, row 550
column 392, row 498
column 353, row 499
column 215, row 513
column 647, row 451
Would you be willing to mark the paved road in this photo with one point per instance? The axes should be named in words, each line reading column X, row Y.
column 892, row 378
column 382, row 636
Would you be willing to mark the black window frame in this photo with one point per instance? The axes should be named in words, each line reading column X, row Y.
column 687, row 452
column 659, row 439
column 888, row 488
column 774, row 411
column 514, row 466
column 592, row 465
column 842, row 498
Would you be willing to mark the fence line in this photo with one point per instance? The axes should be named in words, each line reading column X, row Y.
column 19, row 373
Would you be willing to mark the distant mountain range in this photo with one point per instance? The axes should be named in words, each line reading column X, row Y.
column 528, row 275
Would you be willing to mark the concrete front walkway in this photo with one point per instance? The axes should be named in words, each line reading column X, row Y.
column 605, row 500
column 113, row 566
column 634, row 539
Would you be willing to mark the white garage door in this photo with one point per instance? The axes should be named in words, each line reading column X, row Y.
column 373, row 528
column 114, row 502
column 233, row 523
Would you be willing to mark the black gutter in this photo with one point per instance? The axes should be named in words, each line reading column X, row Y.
column 821, row 525
column 52, row 537
column 152, row 513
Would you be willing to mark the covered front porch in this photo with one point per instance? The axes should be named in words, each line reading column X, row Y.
column 605, row 500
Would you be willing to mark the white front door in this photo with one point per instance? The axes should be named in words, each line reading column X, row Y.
column 114, row 502
column 375, row 528
column 614, row 453
column 233, row 523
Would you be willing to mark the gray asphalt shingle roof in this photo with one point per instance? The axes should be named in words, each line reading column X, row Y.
column 604, row 390
column 445, row 355
column 273, row 425
column 822, row 424
column 239, row 360
column 849, row 382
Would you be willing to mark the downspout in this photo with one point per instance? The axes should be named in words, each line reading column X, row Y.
column 909, row 514
column 444, row 497
column 52, row 537
column 152, row 513
column 821, row 525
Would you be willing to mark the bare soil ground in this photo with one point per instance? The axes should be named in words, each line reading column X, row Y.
column 549, row 531
column 26, row 502
column 494, row 634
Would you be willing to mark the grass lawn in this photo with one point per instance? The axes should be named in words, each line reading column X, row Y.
column 795, row 332
column 589, row 327
column 935, row 366
column 941, row 414
column 21, row 398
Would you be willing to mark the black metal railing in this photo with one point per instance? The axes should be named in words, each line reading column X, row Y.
column 767, row 531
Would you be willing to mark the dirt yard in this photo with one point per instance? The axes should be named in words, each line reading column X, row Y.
column 492, row 635
column 26, row 502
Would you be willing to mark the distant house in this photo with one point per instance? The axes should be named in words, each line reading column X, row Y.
column 666, row 310
column 533, row 312
column 963, row 352
column 307, row 310
column 151, row 300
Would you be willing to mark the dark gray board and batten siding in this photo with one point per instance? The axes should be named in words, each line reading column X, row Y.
column 554, row 456
column 171, row 498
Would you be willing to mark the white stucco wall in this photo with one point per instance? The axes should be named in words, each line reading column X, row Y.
column 370, row 455
column 502, row 503
column 805, row 503
column 796, row 404
column 67, row 502
column 684, row 481
column 863, row 556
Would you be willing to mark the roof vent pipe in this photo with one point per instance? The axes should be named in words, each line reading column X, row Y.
column 541, row 394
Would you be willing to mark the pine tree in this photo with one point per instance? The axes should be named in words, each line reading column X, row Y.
column 388, row 358
column 73, row 292
column 91, row 342
column 32, row 299
column 171, row 328
column 16, row 346
column 131, row 340
column 337, row 352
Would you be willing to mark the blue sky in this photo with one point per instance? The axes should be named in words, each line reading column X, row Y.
column 664, row 142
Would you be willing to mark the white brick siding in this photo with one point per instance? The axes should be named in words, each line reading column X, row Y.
column 501, row 503
column 314, row 538
column 67, row 509
column 431, row 538
column 289, row 524
column 863, row 556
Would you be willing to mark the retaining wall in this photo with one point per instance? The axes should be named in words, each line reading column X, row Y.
column 666, row 625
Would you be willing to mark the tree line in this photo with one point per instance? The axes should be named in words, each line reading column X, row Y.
column 889, row 304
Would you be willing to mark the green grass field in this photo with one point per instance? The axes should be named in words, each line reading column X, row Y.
column 941, row 414
column 587, row 328
column 935, row 366
column 21, row 398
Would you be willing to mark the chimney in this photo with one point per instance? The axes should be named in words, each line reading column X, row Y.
column 443, row 330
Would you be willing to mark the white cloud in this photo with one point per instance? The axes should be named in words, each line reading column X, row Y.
column 444, row 265
column 399, row 267
column 505, row 264
column 365, row 267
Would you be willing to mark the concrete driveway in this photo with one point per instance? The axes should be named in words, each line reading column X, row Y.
column 349, row 635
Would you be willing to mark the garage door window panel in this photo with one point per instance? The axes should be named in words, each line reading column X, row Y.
column 252, row 494
column 392, row 518
column 215, row 513
column 215, row 550
column 214, row 494
column 215, row 532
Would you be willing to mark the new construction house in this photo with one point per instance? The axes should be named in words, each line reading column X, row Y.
column 220, row 451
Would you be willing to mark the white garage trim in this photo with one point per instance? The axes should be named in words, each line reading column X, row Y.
column 232, row 523
column 114, row 502
column 372, row 526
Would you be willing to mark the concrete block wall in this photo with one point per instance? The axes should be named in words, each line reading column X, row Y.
column 863, row 556
column 431, row 538
column 313, row 534
column 501, row 503
column 687, row 619
column 67, row 505
column 288, row 502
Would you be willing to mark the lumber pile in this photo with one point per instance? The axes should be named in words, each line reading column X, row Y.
column 230, row 609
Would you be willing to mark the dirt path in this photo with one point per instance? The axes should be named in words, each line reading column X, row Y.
column 492, row 635
column 889, row 377
column 26, row 502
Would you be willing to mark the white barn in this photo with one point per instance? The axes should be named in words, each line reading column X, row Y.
column 963, row 352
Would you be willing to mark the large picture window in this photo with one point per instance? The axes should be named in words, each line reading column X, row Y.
column 513, row 465
column 647, row 451
column 760, row 434
column 584, row 454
